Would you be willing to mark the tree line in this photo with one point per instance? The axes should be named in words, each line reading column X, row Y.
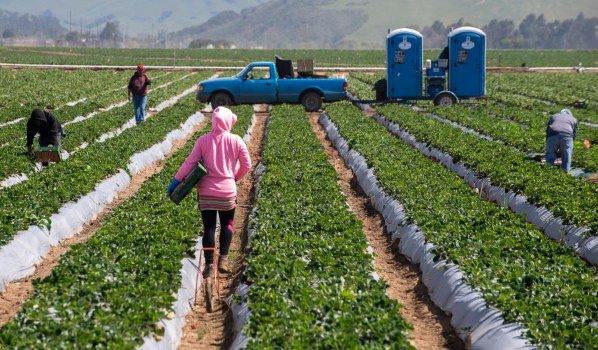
column 534, row 32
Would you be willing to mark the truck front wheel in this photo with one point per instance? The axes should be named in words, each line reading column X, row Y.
column 311, row 101
column 220, row 99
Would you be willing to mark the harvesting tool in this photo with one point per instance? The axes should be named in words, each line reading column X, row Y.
column 207, row 284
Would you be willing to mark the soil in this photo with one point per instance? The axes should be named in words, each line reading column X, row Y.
column 593, row 178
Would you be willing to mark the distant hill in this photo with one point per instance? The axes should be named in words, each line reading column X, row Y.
column 135, row 16
column 364, row 24
column 287, row 23
column 282, row 24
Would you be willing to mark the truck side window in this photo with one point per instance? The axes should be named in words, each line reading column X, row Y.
column 258, row 73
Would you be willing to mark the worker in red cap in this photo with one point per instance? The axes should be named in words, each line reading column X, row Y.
column 138, row 85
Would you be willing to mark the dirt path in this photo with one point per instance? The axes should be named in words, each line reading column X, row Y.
column 215, row 330
column 432, row 329
column 17, row 293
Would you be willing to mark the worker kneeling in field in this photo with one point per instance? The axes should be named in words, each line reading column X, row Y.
column 219, row 151
column 47, row 126
column 560, row 132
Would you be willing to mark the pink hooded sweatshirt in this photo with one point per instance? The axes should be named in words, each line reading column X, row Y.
column 219, row 151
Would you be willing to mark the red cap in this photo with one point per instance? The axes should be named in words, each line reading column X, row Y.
column 140, row 68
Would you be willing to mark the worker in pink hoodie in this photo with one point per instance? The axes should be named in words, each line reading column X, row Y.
column 219, row 151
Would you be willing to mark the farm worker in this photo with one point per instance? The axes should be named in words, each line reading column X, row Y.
column 47, row 126
column 138, row 85
column 560, row 132
column 219, row 151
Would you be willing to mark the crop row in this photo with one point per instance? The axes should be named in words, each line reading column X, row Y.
column 309, row 271
column 572, row 199
column 32, row 202
column 240, row 57
column 24, row 89
column 359, row 89
column 95, row 102
column 368, row 78
column 539, row 105
column 559, row 88
column 109, row 291
column 525, row 138
column 87, row 131
column 116, row 289
column 532, row 280
column 534, row 119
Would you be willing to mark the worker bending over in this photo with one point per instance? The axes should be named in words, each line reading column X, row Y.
column 47, row 126
column 560, row 133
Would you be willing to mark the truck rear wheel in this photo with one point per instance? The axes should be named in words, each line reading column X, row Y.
column 220, row 99
column 311, row 101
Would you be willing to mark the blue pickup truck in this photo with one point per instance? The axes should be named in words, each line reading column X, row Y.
column 266, row 82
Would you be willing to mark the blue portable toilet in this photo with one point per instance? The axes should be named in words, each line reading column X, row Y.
column 404, row 54
column 467, row 62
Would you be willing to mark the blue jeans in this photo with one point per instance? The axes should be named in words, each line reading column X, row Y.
column 139, row 103
column 564, row 143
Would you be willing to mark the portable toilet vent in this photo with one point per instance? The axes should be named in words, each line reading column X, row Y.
column 404, row 54
column 467, row 62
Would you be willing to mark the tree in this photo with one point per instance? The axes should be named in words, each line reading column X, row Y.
column 7, row 34
column 73, row 36
column 111, row 35
column 498, row 33
column 534, row 30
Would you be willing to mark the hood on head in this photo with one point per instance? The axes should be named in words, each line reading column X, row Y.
column 223, row 119
column 566, row 111
column 38, row 114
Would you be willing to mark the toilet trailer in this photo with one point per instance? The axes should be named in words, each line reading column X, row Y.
column 467, row 62
column 404, row 55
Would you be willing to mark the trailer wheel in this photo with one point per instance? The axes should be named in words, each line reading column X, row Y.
column 221, row 99
column 311, row 101
column 445, row 99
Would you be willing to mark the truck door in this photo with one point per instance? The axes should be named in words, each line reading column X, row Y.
column 258, row 85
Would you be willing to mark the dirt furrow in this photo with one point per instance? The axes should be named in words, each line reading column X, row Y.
column 432, row 329
column 215, row 330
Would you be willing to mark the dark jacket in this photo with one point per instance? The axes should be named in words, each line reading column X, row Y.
column 46, row 125
column 562, row 123
column 139, row 83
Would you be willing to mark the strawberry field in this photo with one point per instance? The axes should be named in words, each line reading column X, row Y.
column 502, row 247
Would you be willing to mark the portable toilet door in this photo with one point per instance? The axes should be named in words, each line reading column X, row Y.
column 467, row 62
column 404, row 54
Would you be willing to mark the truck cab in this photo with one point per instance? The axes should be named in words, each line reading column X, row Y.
column 259, row 82
column 262, row 82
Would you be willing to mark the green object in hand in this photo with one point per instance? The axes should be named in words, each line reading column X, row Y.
column 189, row 181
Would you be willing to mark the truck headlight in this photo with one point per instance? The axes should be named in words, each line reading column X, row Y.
column 200, row 88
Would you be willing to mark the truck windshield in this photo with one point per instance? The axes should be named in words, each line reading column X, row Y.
column 242, row 72
column 254, row 72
